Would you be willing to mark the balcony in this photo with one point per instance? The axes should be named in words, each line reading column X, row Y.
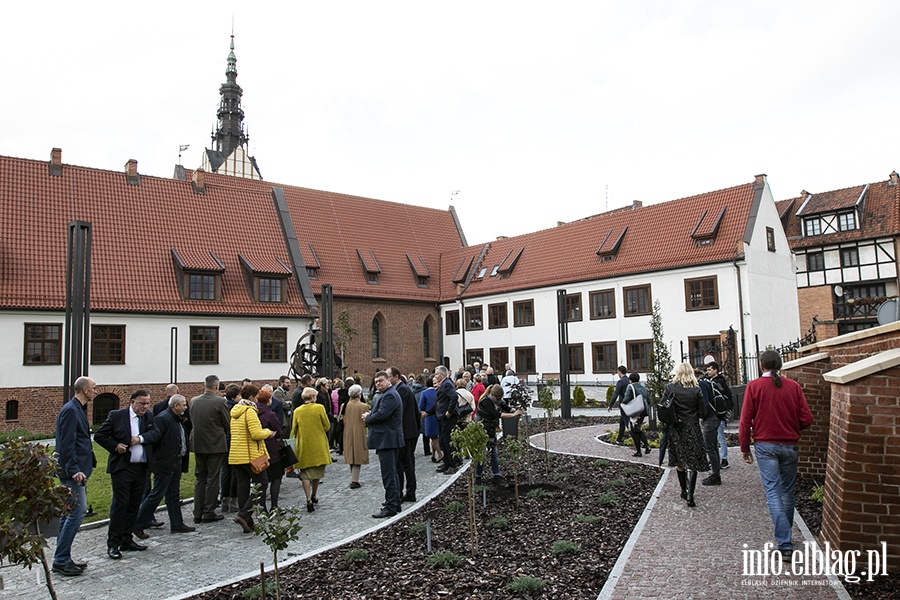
column 857, row 308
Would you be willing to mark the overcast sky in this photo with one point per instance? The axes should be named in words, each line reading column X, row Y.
column 535, row 112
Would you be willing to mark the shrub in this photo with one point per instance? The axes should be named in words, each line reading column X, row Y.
column 578, row 397
column 418, row 529
column 525, row 585
column 608, row 499
column 615, row 483
column 444, row 560
column 818, row 493
column 557, row 476
column 589, row 519
column 499, row 523
column 454, row 507
column 601, row 462
column 565, row 547
column 356, row 555
column 609, row 394
column 538, row 493
column 630, row 471
column 254, row 592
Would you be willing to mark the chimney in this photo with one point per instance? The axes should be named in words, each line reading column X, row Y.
column 56, row 162
column 895, row 179
column 198, row 182
column 131, row 173
column 636, row 204
column 804, row 195
column 180, row 174
column 560, row 223
column 760, row 180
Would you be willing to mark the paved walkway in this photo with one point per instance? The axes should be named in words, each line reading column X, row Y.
column 679, row 552
column 674, row 552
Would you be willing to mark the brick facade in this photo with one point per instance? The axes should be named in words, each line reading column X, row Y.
column 814, row 302
column 861, row 507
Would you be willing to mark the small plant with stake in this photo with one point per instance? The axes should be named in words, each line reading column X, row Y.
column 549, row 404
column 515, row 450
column 278, row 528
column 29, row 495
column 471, row 443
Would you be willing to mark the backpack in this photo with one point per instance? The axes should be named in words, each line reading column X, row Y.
column 665, row 410
column 720, row 402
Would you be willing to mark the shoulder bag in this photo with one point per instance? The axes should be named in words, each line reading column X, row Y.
column 665, row 410
column 636, row 406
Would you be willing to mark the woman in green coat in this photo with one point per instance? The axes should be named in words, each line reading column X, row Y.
column 309, row 427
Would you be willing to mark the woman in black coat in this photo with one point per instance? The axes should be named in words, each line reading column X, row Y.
column 687, row 453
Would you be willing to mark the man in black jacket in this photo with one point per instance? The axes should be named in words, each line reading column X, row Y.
column 446, row 409
column 714, row 375
column 406, row 463
column 128, row 434
column 167, row 466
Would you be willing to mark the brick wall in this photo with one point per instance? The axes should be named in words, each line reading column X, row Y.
column 401, row 336
column 814, row 302
column 814, row 441
column 862, row 486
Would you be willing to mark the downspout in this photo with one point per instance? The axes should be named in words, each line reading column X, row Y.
column 462, row 333
column 737, row 270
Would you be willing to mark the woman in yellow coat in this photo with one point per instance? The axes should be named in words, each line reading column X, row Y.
column 247, row 443
column 309, row 427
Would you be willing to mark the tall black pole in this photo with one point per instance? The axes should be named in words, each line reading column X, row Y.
column 76, row 355
column 326, row 320
column 563, row 319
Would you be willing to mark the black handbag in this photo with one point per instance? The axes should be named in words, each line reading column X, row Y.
column 665, row 410
column 287, row 454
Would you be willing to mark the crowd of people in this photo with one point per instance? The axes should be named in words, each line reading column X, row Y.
column 246, row 439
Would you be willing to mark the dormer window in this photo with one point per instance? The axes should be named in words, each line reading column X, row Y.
column 265, row 277
column 610, row 245
column 846, row 221
column 812, row 226
column 707, row 228
column 311, row 260
column 419, row 270
column 370, row 265
column 199, row 275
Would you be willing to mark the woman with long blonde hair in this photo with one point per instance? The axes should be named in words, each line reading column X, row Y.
column 687, row 452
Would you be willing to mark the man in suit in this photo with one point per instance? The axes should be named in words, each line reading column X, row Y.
column 406, row 463
column 76, row 462
column 162, row 405
column 385, row 422
column 211, row 424
column 281, row 401
column 128, row 434
column 167, row 468
column 446, row 409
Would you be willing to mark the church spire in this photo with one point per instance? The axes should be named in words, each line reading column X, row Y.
column 230, row 133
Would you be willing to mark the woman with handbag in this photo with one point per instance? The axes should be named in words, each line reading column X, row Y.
column 687, row 452
column 247, row 454
column 270, row 420
column 310, row 428
column 356, row 453
column 636, row 390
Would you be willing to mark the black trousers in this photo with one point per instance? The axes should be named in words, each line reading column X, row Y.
column 245, row 477
column 406, row 466
column 446, row 427
column 128, row 489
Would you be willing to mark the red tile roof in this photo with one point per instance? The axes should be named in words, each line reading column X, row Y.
column 135, row 228
column 880, row 214
column 658, row 237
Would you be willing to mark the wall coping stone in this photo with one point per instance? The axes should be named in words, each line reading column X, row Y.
column 867, row 366
column 804, row 360
column 859, row 335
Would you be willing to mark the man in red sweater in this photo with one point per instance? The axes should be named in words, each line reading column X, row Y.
column 774, row 412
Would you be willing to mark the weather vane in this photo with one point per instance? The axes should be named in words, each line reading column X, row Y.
column 182, row 148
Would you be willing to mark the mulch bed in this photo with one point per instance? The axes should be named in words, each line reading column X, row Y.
column 593, row 504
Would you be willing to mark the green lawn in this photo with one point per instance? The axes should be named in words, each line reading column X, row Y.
column 99, row 488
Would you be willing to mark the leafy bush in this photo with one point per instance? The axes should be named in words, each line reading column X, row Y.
column 615, row 483
column 578, row 397
column 609, row 394
column 444, row 560
column 525, row 585
column 630, row 471
column 589, row 519
column 454, row 506
column 499, row 523
column 601, row 462
column 254, row 592
column 418, row 529
column 538, row 493
column 5, row 436
column 356, row 555
column 608, row 499
column 565, row 547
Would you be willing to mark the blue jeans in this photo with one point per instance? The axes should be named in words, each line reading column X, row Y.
column 723, row 445
column 495, row 461
column 70, row 522
column 778, row 471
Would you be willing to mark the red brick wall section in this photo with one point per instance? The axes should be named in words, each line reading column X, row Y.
column 814, row 302
column 814, row 441
column 862, row 486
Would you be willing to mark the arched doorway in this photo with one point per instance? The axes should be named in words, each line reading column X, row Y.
column 103, row 404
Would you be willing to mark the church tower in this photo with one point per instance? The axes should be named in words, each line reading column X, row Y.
column 229, row 154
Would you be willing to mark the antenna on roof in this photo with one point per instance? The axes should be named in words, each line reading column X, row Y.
column 606, row 198
column 453, row 193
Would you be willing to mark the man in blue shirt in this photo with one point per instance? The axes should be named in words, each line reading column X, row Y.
column 76, row 462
